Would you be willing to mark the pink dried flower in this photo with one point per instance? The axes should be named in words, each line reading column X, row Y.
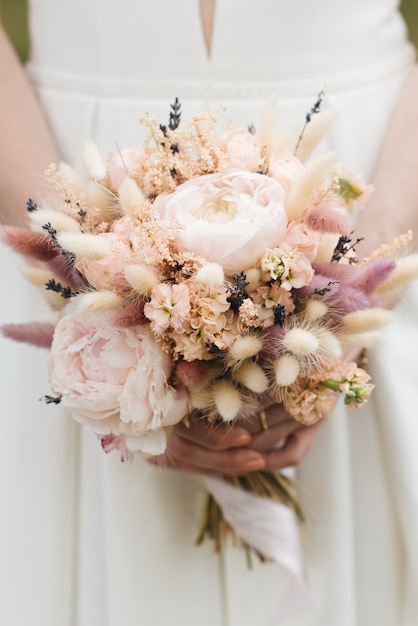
column 169, row 307
column 374, row 274
column 192, row 373
column 23, row 241
column 291, row 267
column 327, row 221
column 36, row 333
column 128, row 316
column 310, row 405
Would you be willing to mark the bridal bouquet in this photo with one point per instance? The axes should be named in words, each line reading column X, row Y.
column 204, row 273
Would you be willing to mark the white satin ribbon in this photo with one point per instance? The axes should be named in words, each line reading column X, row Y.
column 270, row 528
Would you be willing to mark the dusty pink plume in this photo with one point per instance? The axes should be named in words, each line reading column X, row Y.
column 131, row 315
column 344, row 272
column 374, row 274
column 343, row 299
column 121, row 285
column 36, row 333
column 272, row 342
column 192, row 373
column 66, row 272
column 327, row 221
column 23, row 241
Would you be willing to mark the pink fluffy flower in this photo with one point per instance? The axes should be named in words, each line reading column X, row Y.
column 227, row 218
column 285, row 168
column 244, row 151
column 299, row 236
column 115, row 380
column 124, row 163
column 169, row 307
column 268, row 297
column 308, row 406
column 291, row 267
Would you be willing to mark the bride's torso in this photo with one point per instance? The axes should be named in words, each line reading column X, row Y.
column 252, row 40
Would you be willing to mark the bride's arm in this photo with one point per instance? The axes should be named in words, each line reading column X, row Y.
column 393, row 207
column 27, row 145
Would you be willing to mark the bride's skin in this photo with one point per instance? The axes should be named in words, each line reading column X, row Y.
column 27, row 146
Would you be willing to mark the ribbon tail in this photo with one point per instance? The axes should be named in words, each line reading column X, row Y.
column 271, row 528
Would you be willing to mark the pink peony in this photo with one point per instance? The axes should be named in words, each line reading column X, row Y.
column 227, row 218
column 299, row 236
column 116, row 380
column 244, row 152
column 285, row 168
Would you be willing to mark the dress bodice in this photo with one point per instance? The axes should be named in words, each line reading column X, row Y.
column 151, row 46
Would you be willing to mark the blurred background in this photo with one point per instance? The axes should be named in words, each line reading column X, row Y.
column 13, row 14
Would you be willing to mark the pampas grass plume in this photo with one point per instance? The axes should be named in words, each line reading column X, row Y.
column 406, row 270
column 300, row 342
column 329, row 344
column 362, row 340
column 85, row 245
column 244, row 347
column 211, row 274
column 312, row 177
column 60, row 221
column 141, row 278
column 93, row 162
column 227, row 399
column 326, row 247
column 367, row 319
column 286, row 370
column 100, row 198
column 315, row 309
column 35, row 275
column 267, row 133
column 201, row 398
column 253, row 279
column 98, row 300
column 313, row 133
column 55, row 300
column 71, row 178
column 130, row 196
column 252, row 376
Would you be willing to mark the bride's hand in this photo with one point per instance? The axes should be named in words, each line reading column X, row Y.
column 225, row 450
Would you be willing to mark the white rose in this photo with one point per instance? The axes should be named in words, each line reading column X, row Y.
column 228, row 218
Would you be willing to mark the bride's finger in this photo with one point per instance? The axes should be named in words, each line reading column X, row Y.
column 216, row 436
column 274, row 435
column 295, row 448
column 183, row 454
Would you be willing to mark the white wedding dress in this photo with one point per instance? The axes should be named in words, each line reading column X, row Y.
column 89, row 541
